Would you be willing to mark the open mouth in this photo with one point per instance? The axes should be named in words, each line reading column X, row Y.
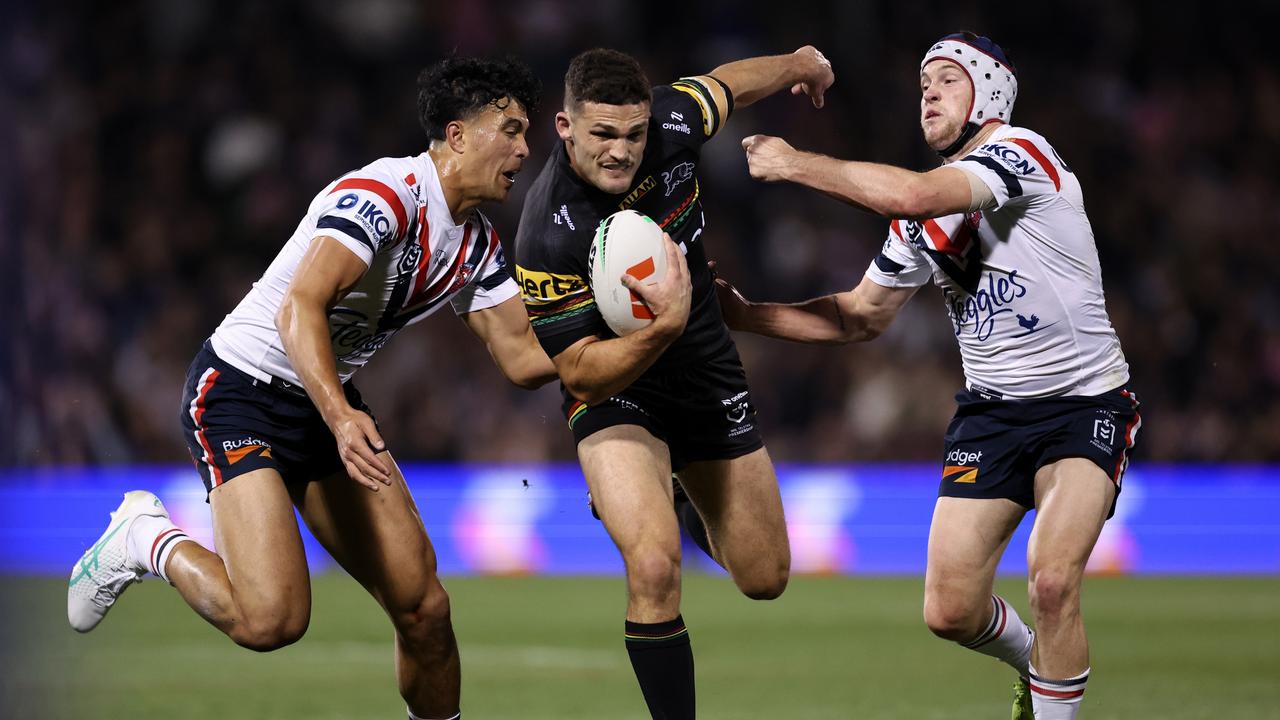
column 510, row 175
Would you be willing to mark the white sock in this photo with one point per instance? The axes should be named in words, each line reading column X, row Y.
column 1057, row 699
column 415, row 717
column 1006, row 637
column 151, row 542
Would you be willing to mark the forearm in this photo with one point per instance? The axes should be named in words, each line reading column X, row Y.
column 304, row 329
column 882, row 189
column 756, row 78
column 605, row 368
column 825, row 320
column 529, row 367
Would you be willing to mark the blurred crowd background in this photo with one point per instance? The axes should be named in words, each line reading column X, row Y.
column 160, row 152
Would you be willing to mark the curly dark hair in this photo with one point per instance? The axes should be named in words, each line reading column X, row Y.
column 457, row 88
column 605, row 76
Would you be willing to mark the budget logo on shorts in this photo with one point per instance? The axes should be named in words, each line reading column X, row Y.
column 237, row 450
column 959, row 467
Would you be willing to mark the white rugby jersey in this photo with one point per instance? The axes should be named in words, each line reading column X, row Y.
column 1021, row 281
column 392, row 214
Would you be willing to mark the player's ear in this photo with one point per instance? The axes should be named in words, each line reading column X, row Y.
column 454, row 134
column 564, row 128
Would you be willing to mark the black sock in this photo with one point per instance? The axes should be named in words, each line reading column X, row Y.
column 663, row 661
column 691, row 520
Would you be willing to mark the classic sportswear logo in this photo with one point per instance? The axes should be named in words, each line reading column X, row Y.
column 563, row 213
column 682, row 127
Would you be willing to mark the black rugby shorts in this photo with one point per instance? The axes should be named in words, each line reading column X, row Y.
column 234, row 424
column 994, row 447
column 702, row 411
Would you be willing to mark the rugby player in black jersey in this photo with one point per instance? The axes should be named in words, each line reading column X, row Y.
column 673, row 395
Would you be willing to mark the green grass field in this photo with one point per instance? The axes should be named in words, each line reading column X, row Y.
column 1173, row 649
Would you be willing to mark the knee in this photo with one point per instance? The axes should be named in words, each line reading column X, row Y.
column 418, row 614
column 271, row 630
column 951, row 620
column 1053, row 591
column 653, row 573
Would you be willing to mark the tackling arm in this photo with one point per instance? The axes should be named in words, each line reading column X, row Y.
column 857, row 315
column 882, row 189
column 505, row 331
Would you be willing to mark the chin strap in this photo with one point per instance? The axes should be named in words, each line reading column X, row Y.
column 966, row 134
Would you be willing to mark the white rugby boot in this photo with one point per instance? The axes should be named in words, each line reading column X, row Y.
column 106, row 570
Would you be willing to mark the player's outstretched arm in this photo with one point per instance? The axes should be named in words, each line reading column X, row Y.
column 506, row 332
column 806, row 71
column 325, row 275
column 858, row 315
column 593, row 369
column 885, row 190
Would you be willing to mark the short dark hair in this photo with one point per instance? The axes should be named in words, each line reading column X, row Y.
column 605, row 76
column 457, row 88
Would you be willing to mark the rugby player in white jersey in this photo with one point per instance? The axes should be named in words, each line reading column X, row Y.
column 274, row 423
column 1046, row 420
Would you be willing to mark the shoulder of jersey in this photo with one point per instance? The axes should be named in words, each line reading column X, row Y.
column 1018, row 148
column 394, row 181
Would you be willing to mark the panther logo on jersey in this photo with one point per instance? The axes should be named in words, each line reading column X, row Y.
column 678, row 175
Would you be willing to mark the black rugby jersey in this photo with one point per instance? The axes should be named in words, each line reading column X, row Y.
column 561, row 213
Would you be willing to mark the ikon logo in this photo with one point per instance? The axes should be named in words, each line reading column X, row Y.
column 640, row 271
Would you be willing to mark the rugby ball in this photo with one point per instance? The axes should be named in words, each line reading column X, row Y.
column 626, row 243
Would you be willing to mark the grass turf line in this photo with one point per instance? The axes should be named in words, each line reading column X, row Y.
column 534, row 648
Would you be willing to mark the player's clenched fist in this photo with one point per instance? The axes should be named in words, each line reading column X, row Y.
column 768, row 158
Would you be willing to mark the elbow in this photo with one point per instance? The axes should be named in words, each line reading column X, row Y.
column 284, row 315
column 528, row 382
column 870, row 330
column 584, row 392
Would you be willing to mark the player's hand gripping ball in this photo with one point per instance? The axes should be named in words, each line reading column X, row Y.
column 626, row 243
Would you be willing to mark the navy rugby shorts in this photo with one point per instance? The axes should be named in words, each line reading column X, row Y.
column 994, row 447
column 234, row 424
column 702, row 411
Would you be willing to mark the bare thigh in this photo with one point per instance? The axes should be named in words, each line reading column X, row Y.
column 741, row 507
column 966, row 540
column 256, row 535
column 629, row 474
column 1073, row 497
column 377, row 537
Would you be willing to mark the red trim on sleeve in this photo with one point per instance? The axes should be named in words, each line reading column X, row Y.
column 1049, row 169
column 941, row 240
column 381, row 190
